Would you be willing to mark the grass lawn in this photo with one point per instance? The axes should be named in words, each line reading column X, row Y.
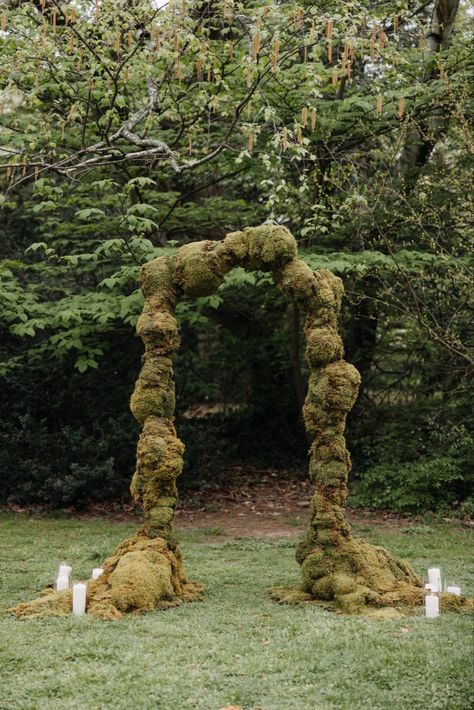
column 236, row 647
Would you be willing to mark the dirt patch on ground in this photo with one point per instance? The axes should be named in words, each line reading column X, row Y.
column 268, row 503
column 263, row 504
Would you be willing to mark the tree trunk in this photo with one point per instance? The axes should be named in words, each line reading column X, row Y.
column 420, row 143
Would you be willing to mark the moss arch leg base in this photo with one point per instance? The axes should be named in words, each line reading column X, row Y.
column 143, row 574
column 355, row 577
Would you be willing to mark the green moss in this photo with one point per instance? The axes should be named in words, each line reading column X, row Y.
column 270, row 247
column 354, row 575
column 158, row 329
column 297, row 280
column 51, row 603
column 141, row 580
column 451, row 602
column 154, row 393
column 157, row 278
column 233, row 250
column 333, row 472
column 142, row 574
column 159, row 462
column 323, row 345
column 264, row 248
column 332, row 391
column 331, row 288
column 159, row 517
column 199, row 270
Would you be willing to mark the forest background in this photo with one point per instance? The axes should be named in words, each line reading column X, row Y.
column 130, row 128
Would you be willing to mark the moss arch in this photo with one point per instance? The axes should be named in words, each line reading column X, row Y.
column 338, row 570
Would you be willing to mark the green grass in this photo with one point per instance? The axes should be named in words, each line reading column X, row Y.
column 236, row 647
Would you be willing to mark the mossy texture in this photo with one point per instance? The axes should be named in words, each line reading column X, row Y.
column 143, row 574
column 338, row 570
column 159, row 462
column 199, row 271
column 263, row 248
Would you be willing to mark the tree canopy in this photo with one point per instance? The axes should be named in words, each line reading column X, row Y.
column 129, row 128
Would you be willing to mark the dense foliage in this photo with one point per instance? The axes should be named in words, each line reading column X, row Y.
column 127, row 129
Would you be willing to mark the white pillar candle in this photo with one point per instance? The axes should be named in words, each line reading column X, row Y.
column 64, row 570
column 79, row 591
column 434, row 578
column 454, row 590
column 96, row 572
column 62, row 582
column 431, row 606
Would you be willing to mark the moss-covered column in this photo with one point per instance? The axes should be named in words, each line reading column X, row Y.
column 159, row 451
column 337, row 569
column 146, row 571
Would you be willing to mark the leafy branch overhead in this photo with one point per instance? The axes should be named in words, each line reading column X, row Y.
column 100, row 83
column 130, row 128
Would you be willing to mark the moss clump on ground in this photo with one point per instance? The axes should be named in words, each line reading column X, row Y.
column 146, row 571
column 143, row 574
column 51, row 603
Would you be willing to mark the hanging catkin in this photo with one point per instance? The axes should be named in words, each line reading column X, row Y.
column 199, row 68
column 255, row 46
column 275, row 55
